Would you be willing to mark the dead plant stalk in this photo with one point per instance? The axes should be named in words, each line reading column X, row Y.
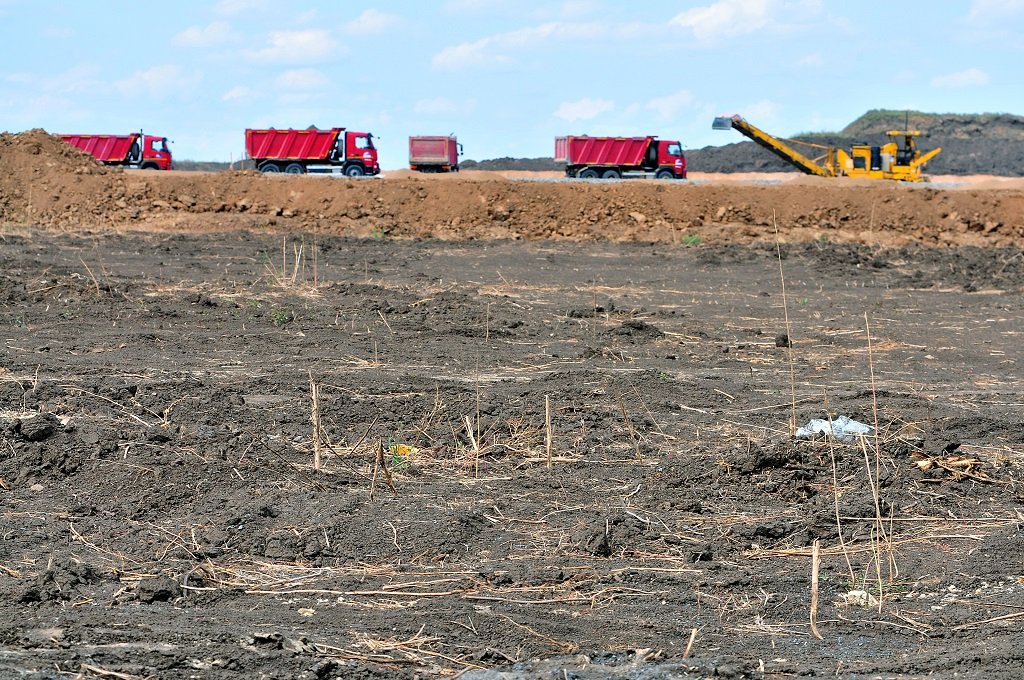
column 789, row 332
column 314, row 416
column 815, row 568
column 547, row 427
column 476, row 446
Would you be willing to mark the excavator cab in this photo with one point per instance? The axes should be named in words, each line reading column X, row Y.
column 906, row 154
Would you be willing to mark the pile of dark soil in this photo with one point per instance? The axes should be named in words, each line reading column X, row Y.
column 506, row 163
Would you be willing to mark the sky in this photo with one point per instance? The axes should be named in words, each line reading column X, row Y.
column 506, row 76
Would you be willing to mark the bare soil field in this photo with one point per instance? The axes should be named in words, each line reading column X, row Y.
column 304, row 439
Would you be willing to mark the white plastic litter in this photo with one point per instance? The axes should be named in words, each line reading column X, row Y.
column 843, row 429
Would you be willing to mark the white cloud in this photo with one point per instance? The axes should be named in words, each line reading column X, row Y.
column 463, row 55
column 435, row 106
column 669, row 106
column 81, row 78
column 725, row 18
column 972, row 77
column 371, row 21
column 233, row 7
column 733, row 18
column 762, row 110
column 301, row 79
column 583, row 109
column 205, row 36
column 58, row 32
column 159, row 82
column 286, row 47
column 461, row 6
column 238, row 93
column 989, row 11
column 814, row 59
column 495, row 49
column 573, row 9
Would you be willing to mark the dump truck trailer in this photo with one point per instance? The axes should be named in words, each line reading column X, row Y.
column 434, row 154
column 135, row 150
column 614, row 157
column 295, row 152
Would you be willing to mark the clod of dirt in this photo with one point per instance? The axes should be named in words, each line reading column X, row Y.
column 157, row 589
column 58, row 582
column 39, row 427
column 605, row 537
column 782, row 340
column 277, row 641
column 754, row 458
column 637, row 328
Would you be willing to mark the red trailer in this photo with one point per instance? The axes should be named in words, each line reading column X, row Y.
column 434, row 154
column 615, row 157
column 313, row 150
column 137, row 150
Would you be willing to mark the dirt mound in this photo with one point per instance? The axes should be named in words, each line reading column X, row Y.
column 37, row 150
column 969, row 126
column 542, row 164
column 46, row 182
column 43, row 175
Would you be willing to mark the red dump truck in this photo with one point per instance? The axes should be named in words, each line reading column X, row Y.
column 434, row 154
column 136, row 150
column 614, row 157
column 299, row 151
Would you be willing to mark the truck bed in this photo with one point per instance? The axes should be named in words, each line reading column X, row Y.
column 106, row 148
column 602, row 151
column 308, row 145
column 439, row 150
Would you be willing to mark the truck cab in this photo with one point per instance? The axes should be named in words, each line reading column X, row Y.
column 360, row 152
column 671, row 158
column 156, row 155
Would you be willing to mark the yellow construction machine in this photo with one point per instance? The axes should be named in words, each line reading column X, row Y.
column 903, row 163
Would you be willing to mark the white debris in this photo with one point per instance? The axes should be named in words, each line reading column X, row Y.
column 861, row 598
column 843, row 429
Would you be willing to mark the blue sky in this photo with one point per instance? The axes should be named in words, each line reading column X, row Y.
column 505, row 75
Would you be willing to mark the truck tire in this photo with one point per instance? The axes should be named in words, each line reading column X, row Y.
column 149, row 165
column 611, row 174
column 664, row 174
column 354, row 171
column 589, row 173
column 295, row 169
column 270, row 167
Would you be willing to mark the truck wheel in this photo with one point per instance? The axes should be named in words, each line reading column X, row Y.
column 664, row 174
column 611, row 174
column 588, row 174
column 149, row 166
column 354, row 171
column 295, row 169
column 270, row 167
